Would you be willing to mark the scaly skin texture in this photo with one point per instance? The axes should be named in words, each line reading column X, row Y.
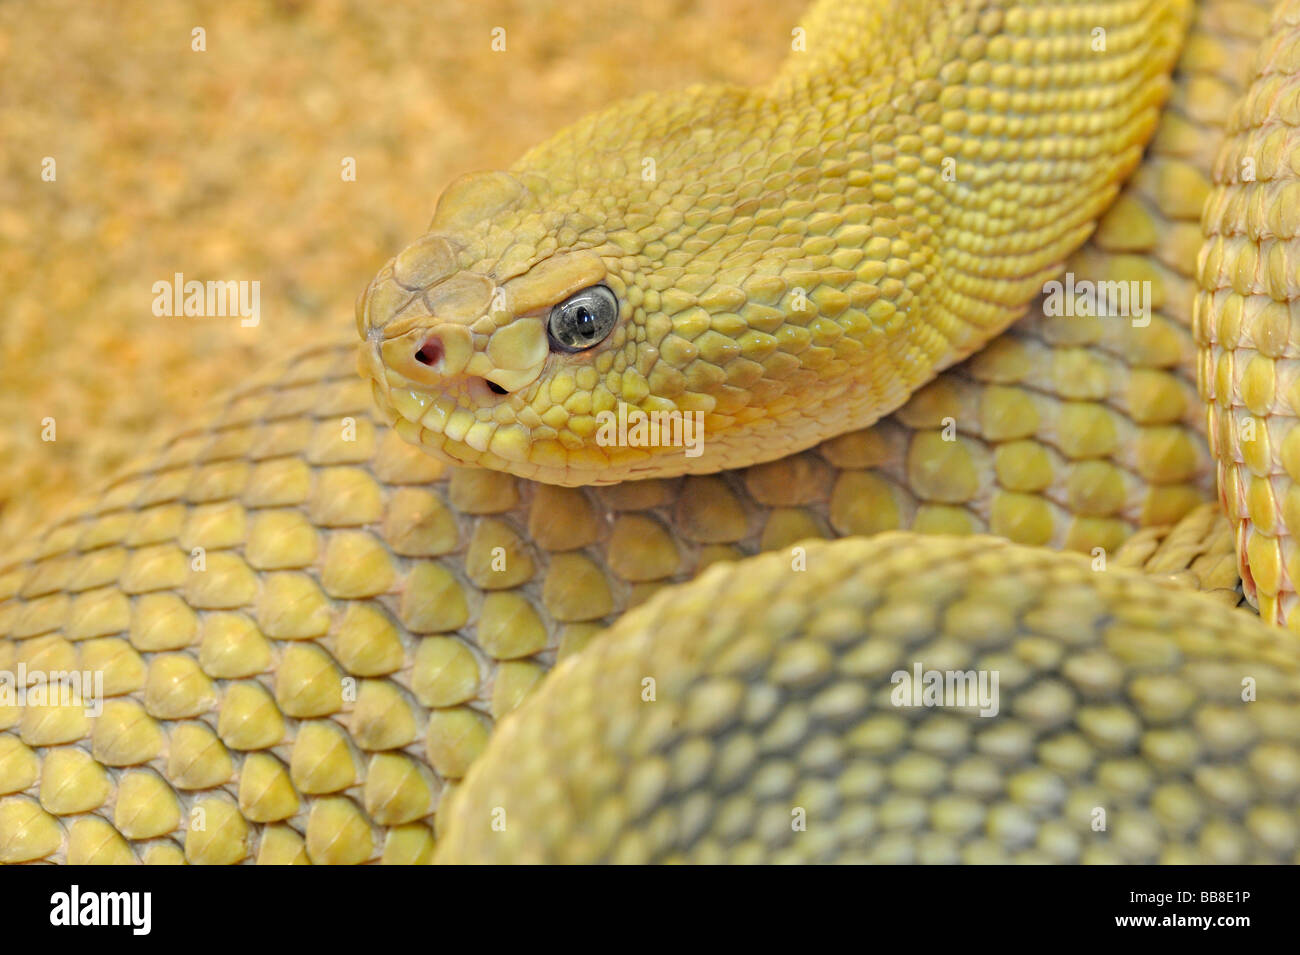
column 338, row 663
column 791, row 262
column 753, row 715
column 1247, row 325
column 335, row 667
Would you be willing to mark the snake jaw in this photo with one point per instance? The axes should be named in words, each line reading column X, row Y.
column 442, row 395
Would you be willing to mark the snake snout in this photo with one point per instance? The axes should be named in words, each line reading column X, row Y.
column 437, row 361
column 431, row 354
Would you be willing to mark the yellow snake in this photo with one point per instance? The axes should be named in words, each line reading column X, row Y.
column 307, row 628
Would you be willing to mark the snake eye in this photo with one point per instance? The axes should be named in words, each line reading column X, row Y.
column 583, row 319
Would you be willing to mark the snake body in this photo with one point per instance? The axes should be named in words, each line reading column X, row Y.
column 307, row 627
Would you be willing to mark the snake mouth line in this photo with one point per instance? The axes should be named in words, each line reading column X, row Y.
column 460, row 454
column 447, row 448
column 449, row 427
column 445, row 427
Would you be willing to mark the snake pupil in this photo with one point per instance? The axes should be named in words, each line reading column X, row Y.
column 583, row 319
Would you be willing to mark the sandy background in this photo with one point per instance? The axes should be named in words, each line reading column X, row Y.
column 225, row 164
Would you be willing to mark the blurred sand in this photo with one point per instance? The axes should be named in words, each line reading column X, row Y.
column 225, row 165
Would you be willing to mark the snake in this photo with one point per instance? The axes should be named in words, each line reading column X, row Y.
column 456, row 609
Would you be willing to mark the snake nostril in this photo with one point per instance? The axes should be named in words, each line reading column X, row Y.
column 495, row 388
column 430, row 352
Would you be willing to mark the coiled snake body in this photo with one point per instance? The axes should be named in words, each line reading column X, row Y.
column 306, row 627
